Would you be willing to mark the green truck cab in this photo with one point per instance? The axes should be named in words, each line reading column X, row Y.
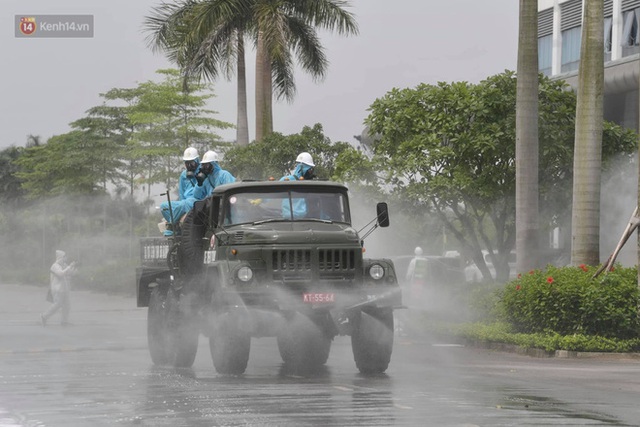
column 270, row 259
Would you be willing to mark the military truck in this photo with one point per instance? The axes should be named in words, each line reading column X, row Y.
column 269, row 259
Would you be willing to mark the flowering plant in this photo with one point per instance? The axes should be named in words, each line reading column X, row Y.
column 567, row 300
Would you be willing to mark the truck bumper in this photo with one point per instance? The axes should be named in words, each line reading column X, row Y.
column 266, row 312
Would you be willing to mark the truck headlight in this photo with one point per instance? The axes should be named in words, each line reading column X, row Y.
column 376, row 271
column 245, row 274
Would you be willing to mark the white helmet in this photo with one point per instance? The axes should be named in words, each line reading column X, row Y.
column 305, row 158
column 190, row 154
column 418, row 251
column 210, row 156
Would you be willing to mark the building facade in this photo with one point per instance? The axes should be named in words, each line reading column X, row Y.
column 559, row 39
column 559, row 33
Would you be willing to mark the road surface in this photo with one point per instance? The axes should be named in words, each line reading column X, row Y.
column 97, row 372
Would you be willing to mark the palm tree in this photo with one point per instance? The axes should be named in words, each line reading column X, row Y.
column 527, row 228
column 285, row 27
column 206, row 39
column 587, row 162
column 206, row 36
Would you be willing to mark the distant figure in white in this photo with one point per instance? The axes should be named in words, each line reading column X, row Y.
column 414, row 278
column 60, row 273
column 412, row 274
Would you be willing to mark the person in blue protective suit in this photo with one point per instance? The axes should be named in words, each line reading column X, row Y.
column 210, row 175
column 303, row 171
column 186, row 187
column 187, row 181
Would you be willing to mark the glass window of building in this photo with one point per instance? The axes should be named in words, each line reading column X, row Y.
column 545, row 47
column 630, row 32
column 570, row 49
column 607, row 38
column 607, row 33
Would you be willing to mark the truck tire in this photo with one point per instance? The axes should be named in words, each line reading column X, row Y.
column 191, row 253
column 230, row 345
column 157, row 327
column 372, row 341
column 184, row 330
column 303, row 343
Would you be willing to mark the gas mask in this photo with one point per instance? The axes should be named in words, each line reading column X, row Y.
column 205, row 170
column 190, row 166
column 309, row 174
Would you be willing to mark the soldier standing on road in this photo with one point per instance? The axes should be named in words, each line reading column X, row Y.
column 60, row 289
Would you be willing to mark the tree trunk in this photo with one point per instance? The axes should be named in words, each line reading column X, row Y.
column 527, row 228
column 260, row 55
column 585, row 248
column 267, row 82
column 242, row 126
column 264, row 117
column 638, row 196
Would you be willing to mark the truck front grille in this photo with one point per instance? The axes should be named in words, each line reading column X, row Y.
column 336, row 259
column 332, row 264
column 292, row 260
column 336, row 264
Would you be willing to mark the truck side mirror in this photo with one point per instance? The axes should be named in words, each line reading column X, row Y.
column 382, row 212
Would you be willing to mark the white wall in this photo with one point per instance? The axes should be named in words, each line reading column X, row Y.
column 548, row 4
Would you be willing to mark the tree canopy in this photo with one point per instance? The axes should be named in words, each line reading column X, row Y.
column 276, row 157
column 449, row 150
column 135, row 137
column 11, row 192
column 206, row 38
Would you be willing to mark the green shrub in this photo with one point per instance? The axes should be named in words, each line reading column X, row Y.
column 503, row 333
column 483, row 301
column 567, row 301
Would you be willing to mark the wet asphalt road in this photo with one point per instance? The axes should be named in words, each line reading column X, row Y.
column 97, row 372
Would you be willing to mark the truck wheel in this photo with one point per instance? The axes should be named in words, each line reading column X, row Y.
column 229, row 345
column 157, row 328
column 303, row 344
column 183, row 329
column 191, row 254
column 372, row 341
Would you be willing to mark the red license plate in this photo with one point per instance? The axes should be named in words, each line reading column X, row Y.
column 319, row 298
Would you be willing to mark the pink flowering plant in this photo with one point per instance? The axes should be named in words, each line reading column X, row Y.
column 567, row 300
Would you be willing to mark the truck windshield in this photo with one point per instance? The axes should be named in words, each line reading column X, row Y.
column 240, row 208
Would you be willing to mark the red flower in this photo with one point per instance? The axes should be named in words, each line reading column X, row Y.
column 519, row 275
column 583, row 267
column 531, row 271
column 518, row 287
column 549, row 279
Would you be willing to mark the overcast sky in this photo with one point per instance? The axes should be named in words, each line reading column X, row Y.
column 48, row 83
